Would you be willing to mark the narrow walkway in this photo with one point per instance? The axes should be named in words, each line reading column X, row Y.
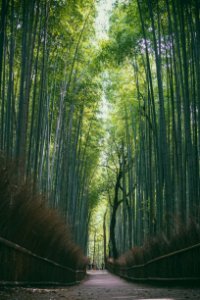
column 100, row 285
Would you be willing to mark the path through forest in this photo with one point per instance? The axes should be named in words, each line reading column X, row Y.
column 101, row 285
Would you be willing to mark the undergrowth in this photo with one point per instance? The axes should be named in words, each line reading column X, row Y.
column 26, row 220
column 183, row 237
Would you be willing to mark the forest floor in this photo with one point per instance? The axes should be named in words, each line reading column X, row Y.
column 101, row 285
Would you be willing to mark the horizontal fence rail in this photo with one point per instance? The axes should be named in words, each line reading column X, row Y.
column 180, row 265
column 19, row 266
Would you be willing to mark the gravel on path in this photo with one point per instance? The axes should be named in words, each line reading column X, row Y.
column 101, row 285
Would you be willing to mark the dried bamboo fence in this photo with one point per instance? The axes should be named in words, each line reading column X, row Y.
column 181, row 265
column 18, row 266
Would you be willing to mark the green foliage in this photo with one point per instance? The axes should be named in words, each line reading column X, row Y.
column 50, row 100
column 54, row 78
column 151, row 86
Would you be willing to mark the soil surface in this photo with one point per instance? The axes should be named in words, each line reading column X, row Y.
column 101, row 285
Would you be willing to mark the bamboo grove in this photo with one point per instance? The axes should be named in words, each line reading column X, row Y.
column 49, row 96
column 141, row 155
column 153, row 64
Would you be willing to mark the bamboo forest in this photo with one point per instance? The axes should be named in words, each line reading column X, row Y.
column 99, row 131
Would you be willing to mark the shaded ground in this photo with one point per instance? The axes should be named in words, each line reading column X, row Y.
column 100, row 285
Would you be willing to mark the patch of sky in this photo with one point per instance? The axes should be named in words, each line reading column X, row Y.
column 104, row 9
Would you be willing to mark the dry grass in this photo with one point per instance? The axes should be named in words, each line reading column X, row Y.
column 157, row 246
column 26, row 220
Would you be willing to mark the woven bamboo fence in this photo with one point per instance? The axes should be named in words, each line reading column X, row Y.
column 181, row 265
column 19, row 266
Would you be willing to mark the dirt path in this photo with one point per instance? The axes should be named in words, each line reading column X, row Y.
column 100, row 285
